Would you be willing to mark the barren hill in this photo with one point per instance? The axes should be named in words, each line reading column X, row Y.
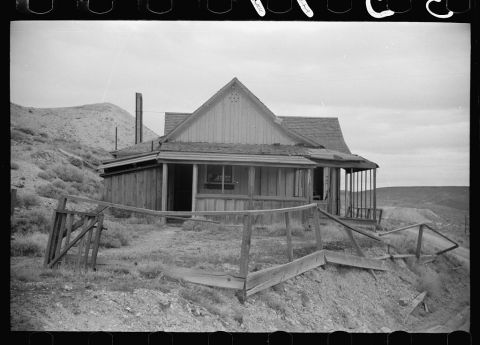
column 91, row 124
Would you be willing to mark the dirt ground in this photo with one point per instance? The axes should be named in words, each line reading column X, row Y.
column 130, row 292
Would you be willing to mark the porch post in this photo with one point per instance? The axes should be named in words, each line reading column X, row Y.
column 164, row 189
column 309, row 185
column 194, row 186
column 251, row 186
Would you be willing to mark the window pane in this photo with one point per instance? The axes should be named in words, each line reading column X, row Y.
column 214, row 173
column 228, row 174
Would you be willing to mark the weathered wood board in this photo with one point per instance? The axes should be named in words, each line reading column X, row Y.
column 354, row 261
column 210, row 278
column 266, row 278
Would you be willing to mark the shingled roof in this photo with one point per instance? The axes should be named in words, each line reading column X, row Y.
column 173, row 119
column 325, row 131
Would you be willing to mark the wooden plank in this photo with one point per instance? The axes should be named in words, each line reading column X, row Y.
column 210, row 278
column 87, row 227
column 50, row 239
column 289, row 182
column 399, row 229
column 338, row 220
column 189, row 213
column 96, row 242
column 318, row 233
column 416, row 301
column 272, row 181
column 194, row 185
column 245, row 248
column 251, row 186
column 354, row 261
column 280, row 182
column 61, row 231
column 69, row 228
column 164, row 187
column 289, row 237
column 266, row 278
column 53, row 238
column 263, row 181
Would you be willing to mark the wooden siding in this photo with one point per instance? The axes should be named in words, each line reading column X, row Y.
column 234, row 119
column 269, row 181
column 141, row 188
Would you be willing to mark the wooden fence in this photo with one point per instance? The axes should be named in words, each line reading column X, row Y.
column 64, row 225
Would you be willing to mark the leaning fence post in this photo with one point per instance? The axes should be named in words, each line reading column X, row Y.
column 318, row 234
column 419, row 242
column 289, row 237
column 52, row 238
column 244, row 253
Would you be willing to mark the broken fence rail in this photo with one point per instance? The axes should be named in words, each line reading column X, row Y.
column 421, row 226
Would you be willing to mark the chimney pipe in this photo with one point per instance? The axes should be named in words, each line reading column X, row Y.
column 138, row 118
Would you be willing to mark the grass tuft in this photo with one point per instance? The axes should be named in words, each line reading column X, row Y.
column 31, row 222
column 27, row 200
column 29, row 245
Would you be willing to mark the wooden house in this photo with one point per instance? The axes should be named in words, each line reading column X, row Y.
column 233, row 153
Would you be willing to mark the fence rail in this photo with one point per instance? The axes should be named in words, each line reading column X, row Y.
column 90, row 225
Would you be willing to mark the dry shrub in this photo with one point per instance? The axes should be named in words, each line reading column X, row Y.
column 47, row 175
column 49, row 191
column 31, row 222
column 29, row 245
column 68, row 173
column 150, row 271
column 27, row 200
column 115, row 236
column 118, row 213
column 18, row 136
column 25, row 130
column 280, row 230
column 427, row 280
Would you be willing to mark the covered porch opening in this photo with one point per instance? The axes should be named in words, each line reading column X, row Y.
column 180, row 185
column 359, row 195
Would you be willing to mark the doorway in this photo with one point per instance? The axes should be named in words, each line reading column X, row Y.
column 182, row 187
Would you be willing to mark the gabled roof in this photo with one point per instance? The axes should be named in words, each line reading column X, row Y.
column 188, row 119
column 325, row 131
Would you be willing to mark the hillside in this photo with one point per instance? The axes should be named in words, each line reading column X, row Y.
column 424, row 197
column 91, row 124
column 446, row 207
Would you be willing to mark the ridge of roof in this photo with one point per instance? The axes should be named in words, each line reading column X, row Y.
column 269, row 113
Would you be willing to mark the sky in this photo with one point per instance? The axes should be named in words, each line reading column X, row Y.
column 401, row 91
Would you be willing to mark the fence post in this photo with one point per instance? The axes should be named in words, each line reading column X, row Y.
column 244, row 253
column 318, row 234
column 289, row 237
column 419, row 242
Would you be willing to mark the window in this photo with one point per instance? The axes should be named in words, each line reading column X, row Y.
column 219, row 177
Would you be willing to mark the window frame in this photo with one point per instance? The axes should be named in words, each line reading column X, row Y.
column 224, row 185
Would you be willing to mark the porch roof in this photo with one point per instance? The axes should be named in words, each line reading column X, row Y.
column 240, row 159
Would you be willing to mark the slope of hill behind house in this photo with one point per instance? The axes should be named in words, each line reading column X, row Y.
column 91, row 124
